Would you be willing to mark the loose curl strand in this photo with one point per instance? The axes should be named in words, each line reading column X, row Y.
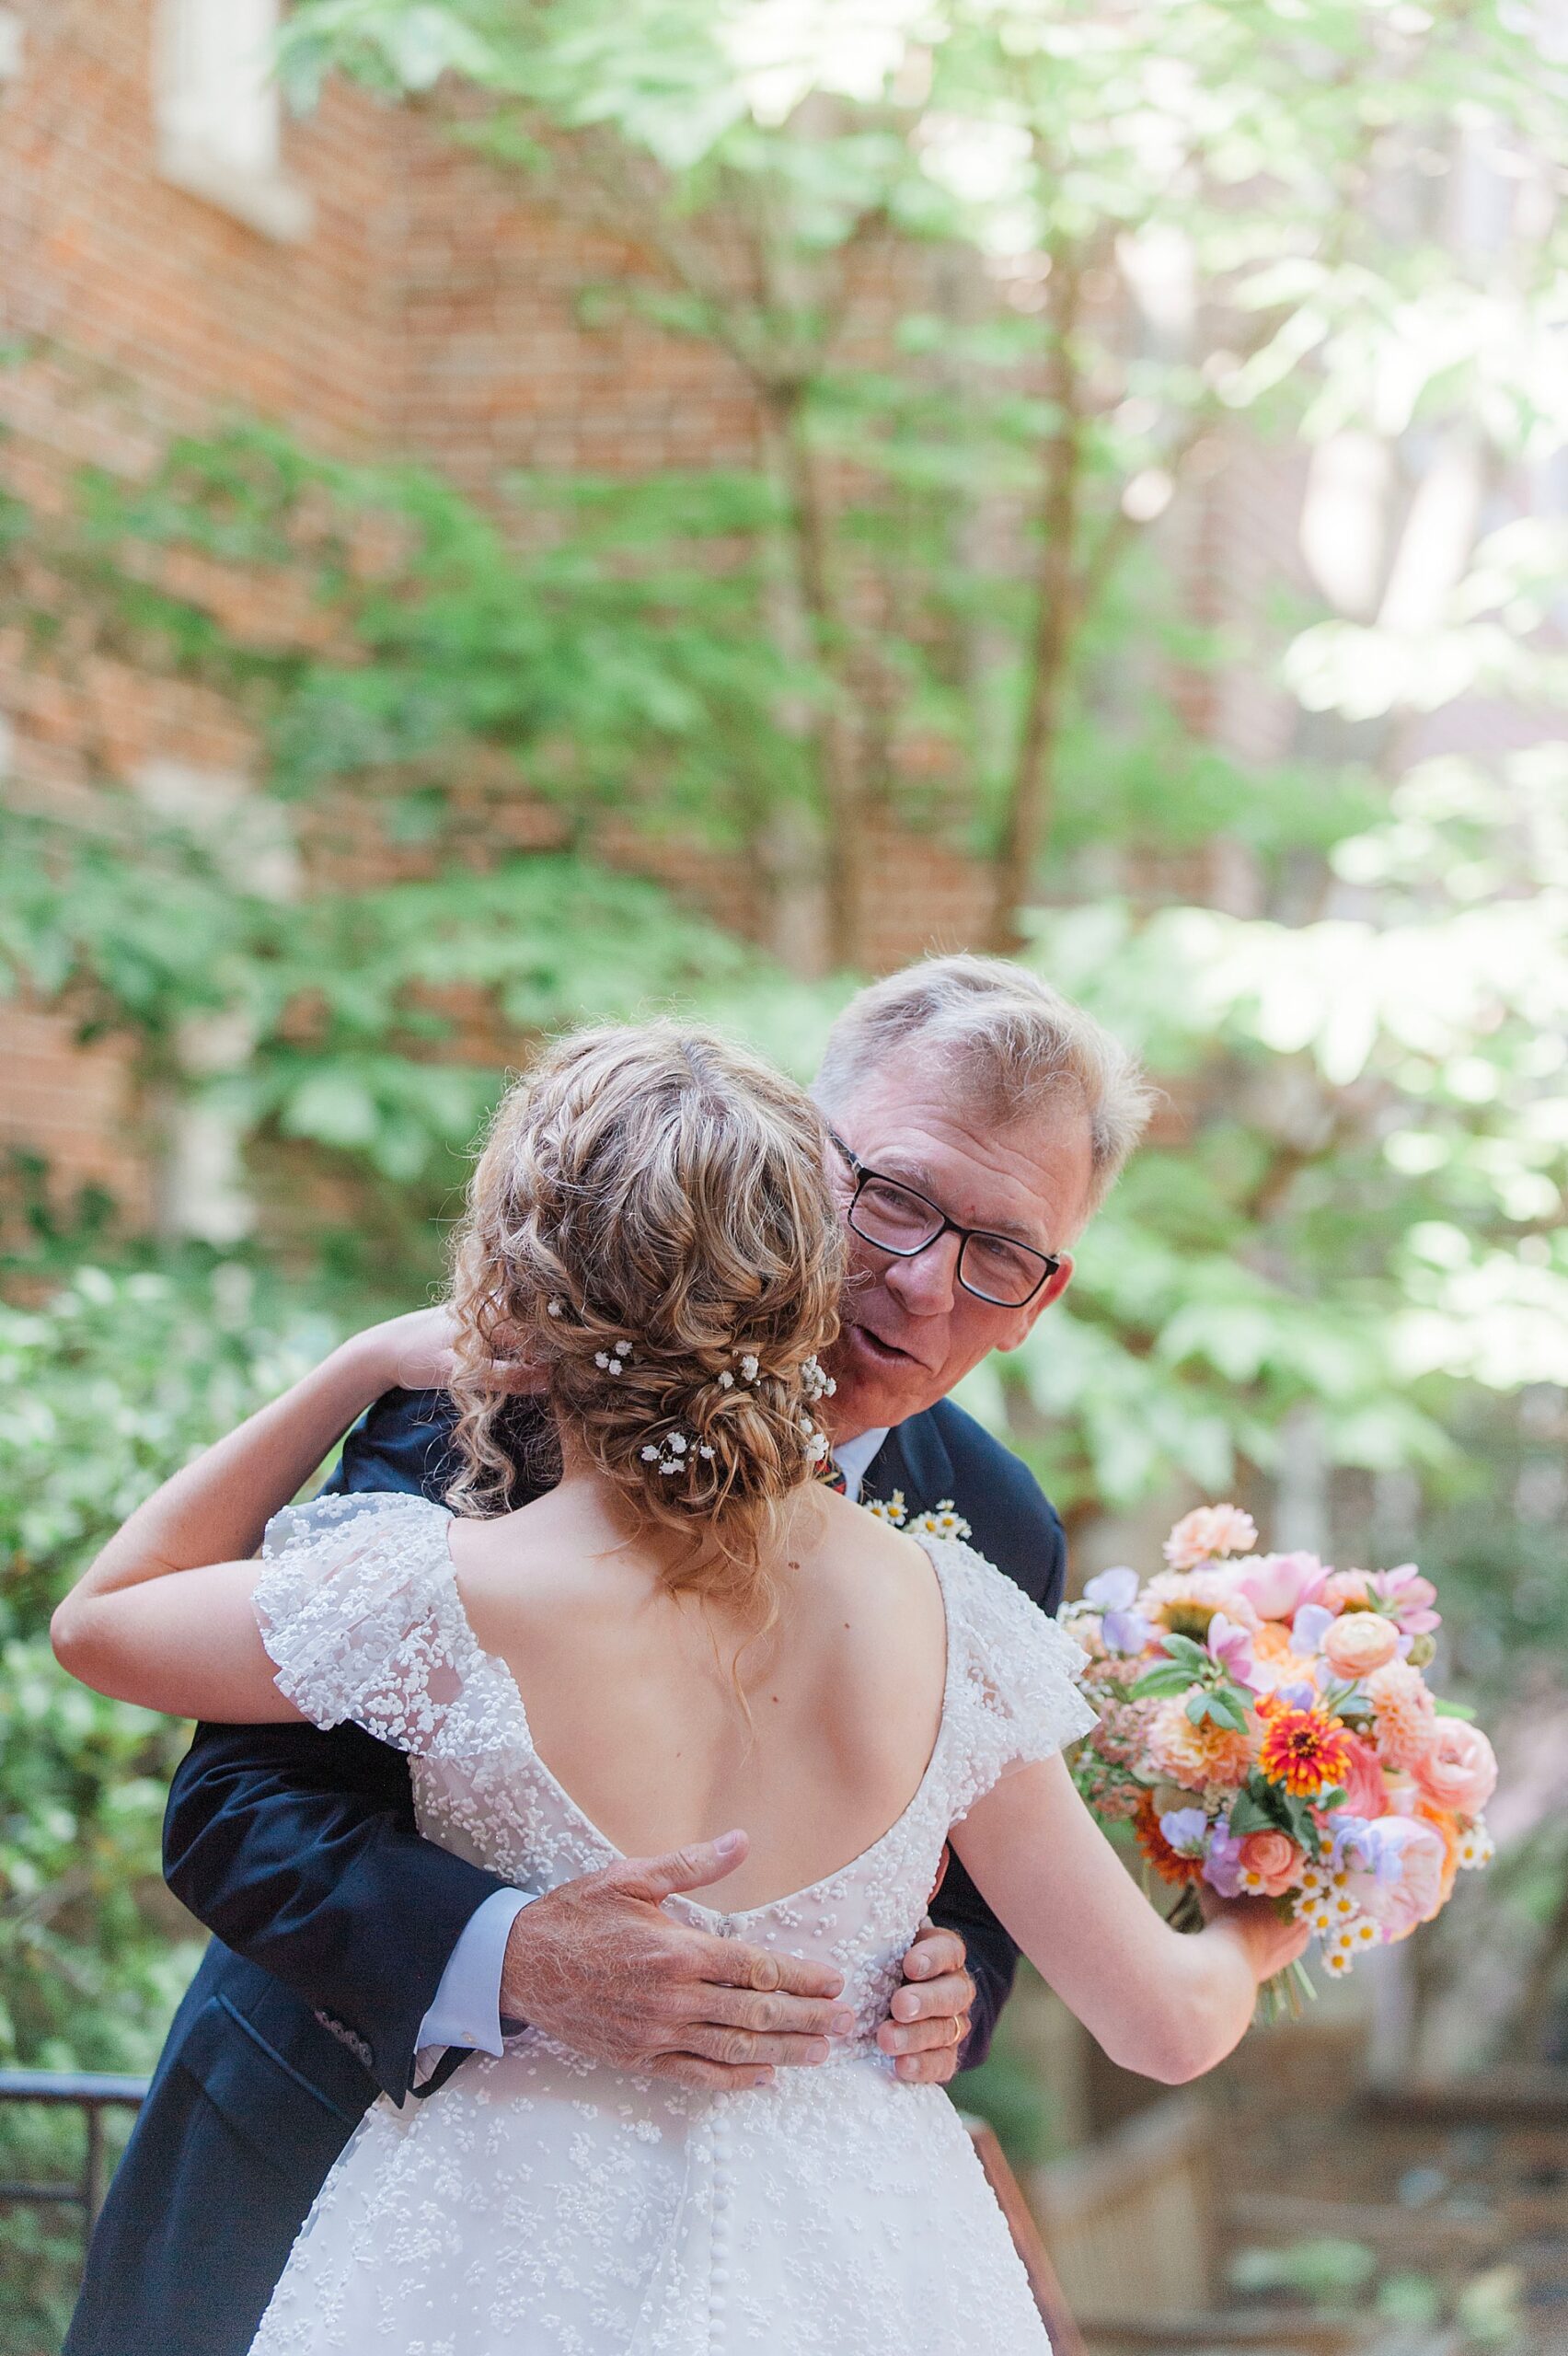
column 664, row 1189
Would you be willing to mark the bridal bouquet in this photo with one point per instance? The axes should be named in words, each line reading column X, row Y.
column 1267, row 1726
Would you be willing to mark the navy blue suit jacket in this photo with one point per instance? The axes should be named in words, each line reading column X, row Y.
column 333, row 1921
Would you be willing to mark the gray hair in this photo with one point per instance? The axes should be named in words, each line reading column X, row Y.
column 1009, row 1042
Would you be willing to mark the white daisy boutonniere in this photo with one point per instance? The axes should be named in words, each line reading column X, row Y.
column 941, row 1521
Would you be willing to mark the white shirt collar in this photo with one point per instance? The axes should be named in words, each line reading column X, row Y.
column 853, row 1457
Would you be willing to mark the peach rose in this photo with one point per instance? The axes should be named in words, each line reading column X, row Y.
column 1359, row 1643
column 1347, row 1591
column 1270, row 1864
column 1459, row 1767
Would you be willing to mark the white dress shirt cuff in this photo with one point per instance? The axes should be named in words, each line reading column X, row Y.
column 466, row 2010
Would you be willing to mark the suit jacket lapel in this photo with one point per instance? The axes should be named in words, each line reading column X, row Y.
column 913, row 1458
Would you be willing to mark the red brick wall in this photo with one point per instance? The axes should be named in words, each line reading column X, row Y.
column 436, row 307
column 101, row 255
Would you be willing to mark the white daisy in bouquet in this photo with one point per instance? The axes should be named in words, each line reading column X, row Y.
column 1267, row 1730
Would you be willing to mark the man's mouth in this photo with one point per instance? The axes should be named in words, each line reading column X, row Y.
column 881, row 1353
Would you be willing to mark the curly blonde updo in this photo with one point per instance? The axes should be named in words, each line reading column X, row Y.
column 658, row 1187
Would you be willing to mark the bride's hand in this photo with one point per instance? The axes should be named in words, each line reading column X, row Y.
column 1270, row 1943
column 415, row 1352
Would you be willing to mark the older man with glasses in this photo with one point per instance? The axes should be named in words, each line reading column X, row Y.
column 979, row 1118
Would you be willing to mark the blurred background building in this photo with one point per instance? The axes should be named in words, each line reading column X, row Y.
column 556, row 518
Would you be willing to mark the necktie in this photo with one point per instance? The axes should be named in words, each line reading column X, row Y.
column 834, row 1479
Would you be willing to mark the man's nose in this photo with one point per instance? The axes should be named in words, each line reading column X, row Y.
column 927, row 1285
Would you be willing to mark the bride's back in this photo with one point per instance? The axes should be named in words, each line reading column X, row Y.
column 653, row 1224
column 632, row 1691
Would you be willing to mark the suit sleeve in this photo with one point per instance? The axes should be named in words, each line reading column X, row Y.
column 298, row 1848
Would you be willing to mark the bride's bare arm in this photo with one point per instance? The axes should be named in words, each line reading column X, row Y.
column 163, row 1617
column 1166, row 2004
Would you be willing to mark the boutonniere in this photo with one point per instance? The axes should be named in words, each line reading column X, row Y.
column 939, row 1521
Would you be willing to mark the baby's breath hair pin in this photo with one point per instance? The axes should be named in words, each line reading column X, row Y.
column 815, row 1442
column 616, row 1358
column 556, row 1308
column 815, row 1383
column 674, row 1453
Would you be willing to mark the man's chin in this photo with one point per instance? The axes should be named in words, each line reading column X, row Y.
column 877, row 1383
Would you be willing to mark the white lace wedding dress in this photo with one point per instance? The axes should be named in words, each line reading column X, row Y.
column 540, row 2204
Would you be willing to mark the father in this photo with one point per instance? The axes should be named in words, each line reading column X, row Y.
column 977, row 1120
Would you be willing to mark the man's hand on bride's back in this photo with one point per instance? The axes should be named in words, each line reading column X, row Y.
column 599, row 1965
column 414, row 1352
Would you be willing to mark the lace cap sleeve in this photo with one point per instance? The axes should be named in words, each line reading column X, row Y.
column 360, row 1613
column 1014, row 1673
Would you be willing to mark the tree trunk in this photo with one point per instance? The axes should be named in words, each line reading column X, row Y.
column 840, row 768
column 1027, row 827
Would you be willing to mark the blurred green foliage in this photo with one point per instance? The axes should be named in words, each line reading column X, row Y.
column 106, row 1386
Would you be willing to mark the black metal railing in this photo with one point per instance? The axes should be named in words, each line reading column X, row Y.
column 92, row 2093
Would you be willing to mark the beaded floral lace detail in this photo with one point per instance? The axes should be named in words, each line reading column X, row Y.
column 540, row 2202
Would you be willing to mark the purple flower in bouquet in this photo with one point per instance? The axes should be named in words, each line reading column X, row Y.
column 1403, row 1883
column 1310, row 1625
column 1222, row 1867
column 1115, row 1591
column 1186, row 1829
column 1354, row 1845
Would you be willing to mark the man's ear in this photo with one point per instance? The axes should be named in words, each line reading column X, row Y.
column 1050, row 1292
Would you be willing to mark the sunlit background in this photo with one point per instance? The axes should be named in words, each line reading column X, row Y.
column 534, row 511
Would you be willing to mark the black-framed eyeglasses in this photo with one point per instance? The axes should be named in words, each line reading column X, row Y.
column 902, row 1221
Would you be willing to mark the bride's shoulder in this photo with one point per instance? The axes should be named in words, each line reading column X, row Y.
column 994, row 1619
column 337, row 1522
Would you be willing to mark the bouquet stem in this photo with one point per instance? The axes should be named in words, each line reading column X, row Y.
column 1286, row 1996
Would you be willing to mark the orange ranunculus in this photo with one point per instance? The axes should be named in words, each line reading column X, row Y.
column 1360, row 1641
column 1270, row 1862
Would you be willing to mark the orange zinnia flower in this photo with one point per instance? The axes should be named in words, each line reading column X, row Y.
column 1304, row 1749
column 1168, row 1862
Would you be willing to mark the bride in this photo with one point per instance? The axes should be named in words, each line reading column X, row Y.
column 690, row 1631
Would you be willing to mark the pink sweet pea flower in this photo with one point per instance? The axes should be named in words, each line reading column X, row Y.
column 1405, row 1597
column 1278, row 1585
column 1228, row 1641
